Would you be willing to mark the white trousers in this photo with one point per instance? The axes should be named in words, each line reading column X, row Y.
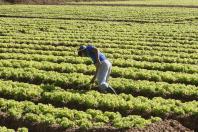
column 103, row 74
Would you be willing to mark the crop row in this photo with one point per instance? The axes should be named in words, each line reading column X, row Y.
column 99, row 36
column 184, row 68
column 128, row 58
column 134, row 73
column 40, row 52
column 73, row 80
column 115, row 57
column 68, row 28
column 133, row 49
column 70, row 35
column 67, row 118
column 124, row 52
column 130, row 73
column 34, row 46
column 127, row 40
column 100, row 42
column 76, row 24
column 100, row 13
column 176, row 67
column 121, row 103
column 5, row 129
column 146, row 3
column 101, row 39
column 86, row 34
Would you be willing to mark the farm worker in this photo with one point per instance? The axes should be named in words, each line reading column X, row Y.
column 102, row 64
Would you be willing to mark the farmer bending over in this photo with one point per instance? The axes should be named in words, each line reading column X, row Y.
column 103, row 67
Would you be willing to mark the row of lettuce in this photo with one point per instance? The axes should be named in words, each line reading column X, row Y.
column 111, row 52
column 134, row 37
column 67, row 118
column 113, row 55
column 58, row 31
column 5, row 129
column 70, row 80
column 119, row 64
column 151, row 15
column 188, row 42
column 127, row 73
column 144, row 61
column 114, row 41
column 117, row 59
column 109, row 48
column 123, row 103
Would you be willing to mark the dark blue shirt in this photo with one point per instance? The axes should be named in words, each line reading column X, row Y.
column 93, row 56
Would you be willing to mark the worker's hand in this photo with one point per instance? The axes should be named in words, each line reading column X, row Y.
column 90, row 86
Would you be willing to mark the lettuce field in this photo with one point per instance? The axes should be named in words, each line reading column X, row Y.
column 154, row 52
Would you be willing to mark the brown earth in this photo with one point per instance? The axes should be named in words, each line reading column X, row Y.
column 162, row 126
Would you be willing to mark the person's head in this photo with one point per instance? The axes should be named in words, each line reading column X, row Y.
column 82, row 51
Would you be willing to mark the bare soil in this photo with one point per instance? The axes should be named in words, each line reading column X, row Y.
column 163, row 126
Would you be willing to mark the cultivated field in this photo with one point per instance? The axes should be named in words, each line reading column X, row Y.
column 141, row 2
column 155, row 68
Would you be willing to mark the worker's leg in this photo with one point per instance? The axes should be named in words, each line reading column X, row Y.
column 109, row 71
column 102, row 75
column 110, row 89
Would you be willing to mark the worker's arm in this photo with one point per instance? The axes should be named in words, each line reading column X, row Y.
column 96, row 51
column 95, row 74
